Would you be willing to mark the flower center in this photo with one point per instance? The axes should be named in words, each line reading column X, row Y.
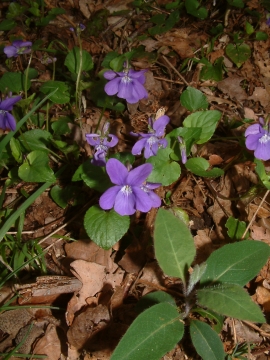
column 101, row 147
column 126, row 79
column 126, row 189
column 152, row 140
column 264, row 139
column 3, row 111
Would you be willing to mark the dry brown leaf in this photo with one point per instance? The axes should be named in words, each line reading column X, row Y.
column 182, row 41
column 260, row 94
column 203, row 245
column 49, row 344
column 260, row 233
column 263, row 298
column 85, row 324
column 231, row 86
column 92, row 277
column 89, row 251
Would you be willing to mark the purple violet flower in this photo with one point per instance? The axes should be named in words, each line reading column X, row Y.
column 127, row 84
column 101, row 145
column 183, row 149
column 129, row 193
column 7, row 120
column 18, row 47
column 258, row 139
column 148, row 189
column 152, row 141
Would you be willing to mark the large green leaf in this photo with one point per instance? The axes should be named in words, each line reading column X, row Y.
column 73, row 59
column 230, row 300
column 60, row 91
column 207, row 120
column 200, row 166
column 105, row 228
column 14, row 82
column 174, row 245
column 206, row 341
column 94, row 176
column 165, row 171
column 36, row 168
column 193, row 99
column 36, row 139
column 236, row 263
column 153, row 298
column 238, row 53
column 152, row 334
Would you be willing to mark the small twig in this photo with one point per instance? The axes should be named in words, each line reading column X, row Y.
column 175, row 70
column 168, row 80
column 255, row 214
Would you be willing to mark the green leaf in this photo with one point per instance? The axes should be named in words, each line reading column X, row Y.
column 193, row 8
column 36, row 168
column 211, row 71
column 200, row 166
column 216, row 319
column 108, row 58
column 60, row 96
column 236, row 228
column 261, row 36
column 124, row 157
column 13, row 82
column 190, row 135
column 35, row 140
column 7, row 25
column 165, row 171
column 238, row 53
column 196, row 275
column 60, row 127
column 236, row 263
column 73, row 59
column 236, row 3
column 105, row 228
column 260, row 170
column 153, row 298
column 193, row 99
column 94, row 176
column 64, row 196
column 16, row 150
column 207, row 120
column 249, row 28
column 151, row 335
column 230, row 300
column 174, row 245
column 206, row 341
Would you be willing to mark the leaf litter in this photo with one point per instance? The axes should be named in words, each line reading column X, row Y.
column 108, row 283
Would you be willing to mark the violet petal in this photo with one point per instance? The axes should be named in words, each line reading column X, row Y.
column 138, row 175
column 107, row 199
column 125, row 203
column 117, row 172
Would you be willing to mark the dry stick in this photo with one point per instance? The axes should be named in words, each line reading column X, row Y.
column 175, row 70
column 254, row 216
column 168, row 80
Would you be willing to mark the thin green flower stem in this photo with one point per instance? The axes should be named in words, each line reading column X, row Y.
column 27, row 356
column 78, row 93
column 26, row 76
column 13, row 217
column 53, row 75
column 47, row 115
column 255, row 214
